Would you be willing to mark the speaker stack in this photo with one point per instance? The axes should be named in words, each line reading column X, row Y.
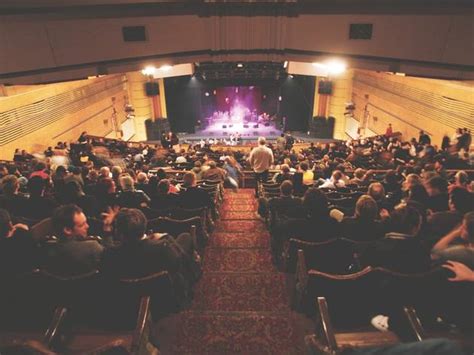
column 320, row 127
column 154, row 129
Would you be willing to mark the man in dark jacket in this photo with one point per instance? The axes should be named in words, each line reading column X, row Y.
column 364, row 226
column 400, row 250
column 73, row 253
column 193, row 197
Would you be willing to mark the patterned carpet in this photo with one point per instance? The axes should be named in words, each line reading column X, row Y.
column 241, row 304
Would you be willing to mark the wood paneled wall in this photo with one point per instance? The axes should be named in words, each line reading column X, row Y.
column 39, row 118
column 412, row 104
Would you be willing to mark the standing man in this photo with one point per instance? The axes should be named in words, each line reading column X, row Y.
column 260, row 159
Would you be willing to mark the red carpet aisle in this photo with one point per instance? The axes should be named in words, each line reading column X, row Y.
column 241, row 305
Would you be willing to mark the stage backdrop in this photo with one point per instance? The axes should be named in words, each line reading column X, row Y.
column 190, row 100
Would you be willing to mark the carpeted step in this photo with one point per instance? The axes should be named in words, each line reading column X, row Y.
column 238, row 260
column 239, row 240
column 238, row 207
column 238, row 215
column 231, row 333
column 241, row 226
column 241, row 292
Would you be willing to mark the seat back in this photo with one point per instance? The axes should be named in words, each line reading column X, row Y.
column 175, row 227
column 42, row 229
column 25, row 304
column 351, row 298
column 334, row 256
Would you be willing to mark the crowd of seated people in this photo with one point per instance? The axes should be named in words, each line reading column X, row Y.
column 413, row 212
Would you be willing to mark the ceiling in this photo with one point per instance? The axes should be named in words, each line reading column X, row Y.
column 229, row 8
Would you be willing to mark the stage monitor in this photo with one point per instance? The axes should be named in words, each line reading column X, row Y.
column 325, row 88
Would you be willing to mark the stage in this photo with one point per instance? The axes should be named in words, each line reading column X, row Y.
column 249, row 137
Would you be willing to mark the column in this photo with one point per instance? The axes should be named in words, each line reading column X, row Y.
column 341, row 94
column 140, row 102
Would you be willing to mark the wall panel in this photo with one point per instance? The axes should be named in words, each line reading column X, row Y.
column 412, row 104
column 60, row 112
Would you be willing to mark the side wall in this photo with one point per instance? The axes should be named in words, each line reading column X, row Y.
column 412, row 104
column 39, row 118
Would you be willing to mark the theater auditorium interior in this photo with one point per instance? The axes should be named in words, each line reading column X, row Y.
column 236, row 177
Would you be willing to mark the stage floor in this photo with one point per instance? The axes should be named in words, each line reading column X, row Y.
column 249, row 131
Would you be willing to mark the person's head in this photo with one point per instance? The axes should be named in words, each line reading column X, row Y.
column 418, row 193
column 5, row 223
column 262, row 141
column 286, row 188
column 161, row 174
column 436, row 185
column 142, row 178
column 376, row 191
column 410, row 181
column 72, row 191
column 69, row 222
column 60, row 171
column 130, row 224
column 104, row 172
column 304, row 166
column 189, row 179
column 36, row 186
column 127, row 183
column 461, row 178
column 10, row 185
column 106, row 186
column 285, row 169
column 40, row 166
column 366, row 207
column 467, row 231
column 75, row 170
column 315, row 203
column 461, row 200
column 391, row 177
column 164, row 186
column 405, row 220
column 336, row 175
column 359, row 173
column 212, row 164
column 116, row 171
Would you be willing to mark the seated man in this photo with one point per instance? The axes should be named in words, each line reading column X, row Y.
column 129, row 197
column 441, row 223
column 400, row 250
column 163, row 199
column 12, row 200
column 38, row 206
column 140, row 255
column 458, row 245
column 364, row 225
column 315, row 226
column 18, row 251
column 73, row 253
column 214, row 173
column 193, row 197
column 437, row 189
column 283, row 174
column 287, row 204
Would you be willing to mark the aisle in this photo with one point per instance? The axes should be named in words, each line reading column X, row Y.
column 240, row 304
